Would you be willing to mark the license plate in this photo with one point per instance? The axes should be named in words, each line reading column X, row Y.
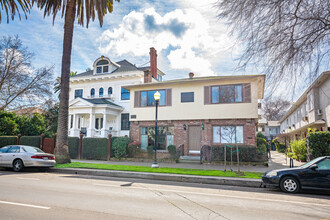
column 45, row 158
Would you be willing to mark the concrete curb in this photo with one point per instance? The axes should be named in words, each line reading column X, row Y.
column 245, row 182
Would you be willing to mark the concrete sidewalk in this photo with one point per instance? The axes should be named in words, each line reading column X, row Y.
column 277, row 161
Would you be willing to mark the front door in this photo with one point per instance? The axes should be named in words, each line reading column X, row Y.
column 194, row 141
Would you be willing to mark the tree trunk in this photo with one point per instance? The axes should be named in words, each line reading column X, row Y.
column 61, row 150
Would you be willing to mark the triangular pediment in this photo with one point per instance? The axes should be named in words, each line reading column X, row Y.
column 79, row 102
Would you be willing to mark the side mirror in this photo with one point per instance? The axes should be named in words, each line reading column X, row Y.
column 314, row 167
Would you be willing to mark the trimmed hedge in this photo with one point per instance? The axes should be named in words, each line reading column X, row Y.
column 246, row 154
column 319, row 143
column 30, row 141
column 120, row 145
column 73, row 143
column 172, row 150
column 95, row 148
column 7, row 140
column 133, row 149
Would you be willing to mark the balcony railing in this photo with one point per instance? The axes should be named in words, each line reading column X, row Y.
column 101, row 96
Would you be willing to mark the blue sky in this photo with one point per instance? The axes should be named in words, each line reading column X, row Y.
column 186, row 34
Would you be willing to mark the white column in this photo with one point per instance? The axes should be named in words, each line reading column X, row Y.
column 90, row 130
column 103, row 131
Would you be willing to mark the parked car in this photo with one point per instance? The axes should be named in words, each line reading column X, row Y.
column 20, row 156
column 314, row 174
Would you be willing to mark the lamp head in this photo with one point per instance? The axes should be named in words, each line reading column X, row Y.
column 157, row 96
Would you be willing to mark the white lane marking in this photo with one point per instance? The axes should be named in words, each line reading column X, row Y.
column 26, row 205
column 27, row 178
column 209, row 194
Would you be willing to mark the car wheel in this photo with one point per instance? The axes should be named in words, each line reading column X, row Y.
column 290, row 185
column 18, row 165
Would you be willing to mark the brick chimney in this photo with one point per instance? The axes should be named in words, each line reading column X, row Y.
column 153, row 62
column 147, row 76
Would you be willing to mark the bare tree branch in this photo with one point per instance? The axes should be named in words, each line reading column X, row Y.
column 20, row 84
column 289, row 39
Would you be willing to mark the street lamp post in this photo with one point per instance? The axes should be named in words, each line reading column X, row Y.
column 157, row 97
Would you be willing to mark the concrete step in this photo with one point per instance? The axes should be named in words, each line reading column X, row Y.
column 189, row 159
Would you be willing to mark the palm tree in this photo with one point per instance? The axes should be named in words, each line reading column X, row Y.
column 11, row 6
column 70, row 10
column 57, row 84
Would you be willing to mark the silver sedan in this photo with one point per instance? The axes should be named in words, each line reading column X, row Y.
column 20, row 156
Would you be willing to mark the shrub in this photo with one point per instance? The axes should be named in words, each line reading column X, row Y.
column 280, row 147
column 150, row 150
column 172, row 150
column 119, row 146
column 246, row 154
column 133, row 149
column 319, row 143
column 30, row 141
column 73, row 143
column 7, row 140
column 299, row 150
column 261, row 143
column 95, row 148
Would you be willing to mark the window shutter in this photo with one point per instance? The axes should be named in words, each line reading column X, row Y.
column 247, row 92
column 207, row 95
column 168, row 97
column 137, row 98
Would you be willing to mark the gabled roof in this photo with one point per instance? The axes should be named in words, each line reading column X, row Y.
column 125, row 66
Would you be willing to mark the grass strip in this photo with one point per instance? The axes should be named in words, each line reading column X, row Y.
column 198, row 172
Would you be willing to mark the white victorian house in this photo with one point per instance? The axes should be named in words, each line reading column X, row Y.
column 99, row 105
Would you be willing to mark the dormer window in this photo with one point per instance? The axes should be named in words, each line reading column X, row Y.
column 102, row 66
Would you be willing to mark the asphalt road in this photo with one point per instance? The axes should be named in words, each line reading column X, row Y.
column 31, row 195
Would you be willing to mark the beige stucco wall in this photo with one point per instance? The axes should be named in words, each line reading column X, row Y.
column 324, row 101
column 196, row 109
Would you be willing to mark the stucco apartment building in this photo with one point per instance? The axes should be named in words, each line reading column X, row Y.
column 311, row 110
column 197, row 111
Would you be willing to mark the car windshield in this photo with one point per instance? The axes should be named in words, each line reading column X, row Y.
column 310, row 163
column 32, row 149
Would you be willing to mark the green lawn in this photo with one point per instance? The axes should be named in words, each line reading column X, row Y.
column 254, row 175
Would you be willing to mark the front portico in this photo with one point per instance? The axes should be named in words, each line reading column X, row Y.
column 94, row 118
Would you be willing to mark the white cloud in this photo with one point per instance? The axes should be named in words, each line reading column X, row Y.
column 184, row 35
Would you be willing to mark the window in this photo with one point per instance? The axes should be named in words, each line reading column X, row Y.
column 109, row 90
column 227, row 94
column 71, row 121
column 324, row 164
column 187, row 97
column 124, row 94
column 147, row 98
column 310, row 101
column 228, row 134
column 98, row 123
column 102, row 66
column 78, row 93
column 159, row 77
column 4, row 149
column 92, row 92
column 105, row 69
column 125, row 121
column 14, row 150
column 165, row 137
column 101, row 91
